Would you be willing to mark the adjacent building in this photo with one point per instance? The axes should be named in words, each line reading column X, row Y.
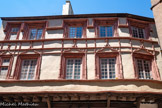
column 81, row 61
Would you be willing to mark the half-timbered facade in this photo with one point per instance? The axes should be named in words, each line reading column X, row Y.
column 81, row 61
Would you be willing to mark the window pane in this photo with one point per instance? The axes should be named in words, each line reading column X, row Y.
column 138, row 32
column 5, row 62
column 134, row 32
column 73, row 68
column 33, row 33
column 102, row 32
column 143, row 69
column 109, row 31
column 140, row 69
column 104, row 69
column 39, row 34
column 112, row 68
column 32, row 68
column 75, row 32
column 141, row 33
column 28, row 69
column 108, row 68
column 77, row 69
column 79, row 32
column 3, row 72
column 147, row 69
column 106, row 31
column 72, row 32
column 15, row 30
column 69, row 69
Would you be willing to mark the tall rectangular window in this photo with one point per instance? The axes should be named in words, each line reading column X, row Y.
column 144, row 69
column 35, row 34
column 14, row 33
column 4, row 68
column 75, row 32
column 107, row 68
column 28, row 69
column 73, row 68
column 106, row 31
column 138, row 32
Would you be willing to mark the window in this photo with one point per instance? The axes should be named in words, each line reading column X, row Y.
column 12, row 30
column 75, row 32
column 138, row 32
column 4, row 67
column 108, row 65
column 107, row 68
column 144, row 69
column 75, row 28
column 106, row 27
column 28, row 69
column 73, row 68
column 34, row 30
column 106, row 31
column 35, row 34
column 14, row 33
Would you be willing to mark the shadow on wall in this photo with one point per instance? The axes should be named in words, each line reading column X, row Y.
column 55, row 31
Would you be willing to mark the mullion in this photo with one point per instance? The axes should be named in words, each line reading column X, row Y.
column 73, row 69
column 28, row 69
column 108, row 72
column 36, row 33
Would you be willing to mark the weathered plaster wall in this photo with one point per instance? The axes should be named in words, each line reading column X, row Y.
column 50, row 67
column 91, row 66
column 94, row 86
column 128, row 69
column 2, row 34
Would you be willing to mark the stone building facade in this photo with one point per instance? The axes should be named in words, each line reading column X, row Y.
column 81, row 61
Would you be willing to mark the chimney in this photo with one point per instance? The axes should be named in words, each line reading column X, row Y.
column 67, row 8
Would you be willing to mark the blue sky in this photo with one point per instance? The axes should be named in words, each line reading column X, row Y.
column 18, row 8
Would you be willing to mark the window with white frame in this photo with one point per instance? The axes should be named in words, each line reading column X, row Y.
column 13, row 33
column 138, row 32
column 144, row 69
column 106, row 31
column 28, row 69
column 4, row 68
column 73, row 68
column 35, row 34
column 75, row 32
column 107, row 68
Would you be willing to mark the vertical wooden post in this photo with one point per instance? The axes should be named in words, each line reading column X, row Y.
column 48, row 103
column 138, row 102
column 108, row 102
